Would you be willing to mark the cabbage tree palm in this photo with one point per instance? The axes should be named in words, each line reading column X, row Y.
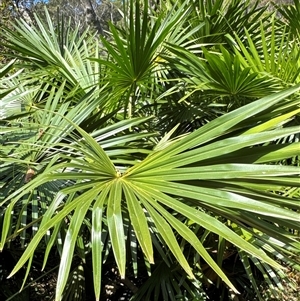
column 93, row 166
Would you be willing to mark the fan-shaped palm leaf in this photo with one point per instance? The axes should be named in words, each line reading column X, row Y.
column 169, row 179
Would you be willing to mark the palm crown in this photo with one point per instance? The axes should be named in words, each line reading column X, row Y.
column 173, row 141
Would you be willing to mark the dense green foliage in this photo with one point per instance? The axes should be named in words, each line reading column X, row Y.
column 165, row 150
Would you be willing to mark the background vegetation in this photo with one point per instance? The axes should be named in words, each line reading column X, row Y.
column 152, row 157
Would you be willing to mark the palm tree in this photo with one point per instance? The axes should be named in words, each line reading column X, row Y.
column 151, row 151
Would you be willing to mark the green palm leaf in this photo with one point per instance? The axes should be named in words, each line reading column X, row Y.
column 162, row 181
